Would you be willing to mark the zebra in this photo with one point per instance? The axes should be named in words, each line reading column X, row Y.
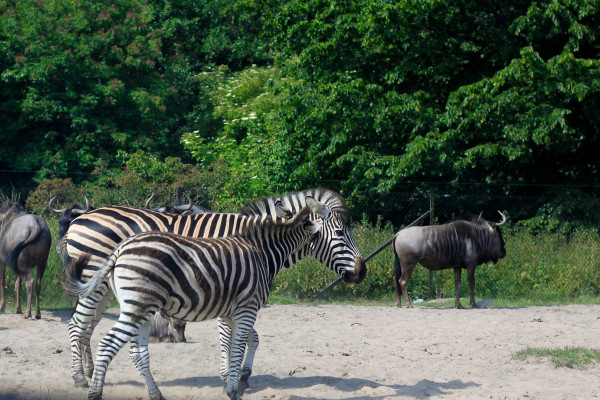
column 198, row 279
column 98, row 232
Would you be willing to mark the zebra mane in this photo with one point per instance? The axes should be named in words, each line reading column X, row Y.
column 296, row 201
column 275, row 223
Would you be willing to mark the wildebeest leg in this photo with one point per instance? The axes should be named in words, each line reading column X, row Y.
column 29, row 289
column 457, row 284
column 403, row 281
column 38, row 288
column 471, row 277
column 141, row 358
column 397, row 274
column 3, row 282
column 18, row 310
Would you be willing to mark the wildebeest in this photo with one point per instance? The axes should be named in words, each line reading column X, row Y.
column 162, row 328
column 457, row 244
column 67, row 216
column 183, row 209
column 24, row 244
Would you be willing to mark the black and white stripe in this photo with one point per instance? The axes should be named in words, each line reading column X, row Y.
column 193, row 280
column 96, row 233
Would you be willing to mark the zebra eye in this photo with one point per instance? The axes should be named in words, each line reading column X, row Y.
column 339, row 232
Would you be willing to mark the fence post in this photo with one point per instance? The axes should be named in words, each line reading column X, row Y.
column 431, row 222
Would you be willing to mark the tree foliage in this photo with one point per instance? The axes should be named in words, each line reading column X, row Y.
column 368, row 95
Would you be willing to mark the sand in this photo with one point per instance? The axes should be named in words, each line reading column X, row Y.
column 330, row 352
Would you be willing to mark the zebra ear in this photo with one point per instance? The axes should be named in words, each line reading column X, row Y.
column 312, row 227
column 282, row 211
column 317, row 208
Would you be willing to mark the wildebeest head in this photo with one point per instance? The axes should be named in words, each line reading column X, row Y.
column 9, row 210
column 184, row 209
column 68, row 215
column 495, row 249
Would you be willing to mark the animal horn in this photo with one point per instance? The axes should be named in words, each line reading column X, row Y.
column 479, row 218
column 187, row 207
column 62, row 210
column 87, row 208
column 147, row 205
column 503, row 219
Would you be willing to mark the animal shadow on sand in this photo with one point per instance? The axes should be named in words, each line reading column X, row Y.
column 258, row 383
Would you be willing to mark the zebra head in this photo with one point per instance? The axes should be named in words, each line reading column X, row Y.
column 333, row 244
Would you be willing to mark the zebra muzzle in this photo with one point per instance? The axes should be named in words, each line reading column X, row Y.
column 357, row 275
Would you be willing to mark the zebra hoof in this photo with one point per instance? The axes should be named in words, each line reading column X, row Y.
column 234, row 395
column 81, row 383
column 246, row 373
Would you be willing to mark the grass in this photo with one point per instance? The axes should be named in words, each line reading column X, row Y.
column 570, row 357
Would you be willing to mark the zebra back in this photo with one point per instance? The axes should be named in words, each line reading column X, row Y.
column 296, row 201
column 201, row 278
column 98, row 232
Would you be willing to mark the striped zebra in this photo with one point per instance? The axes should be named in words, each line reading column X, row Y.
column 98, row 232
column 199, row 279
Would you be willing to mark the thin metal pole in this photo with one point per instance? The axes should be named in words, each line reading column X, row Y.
column 373, row 254
column 431, row 222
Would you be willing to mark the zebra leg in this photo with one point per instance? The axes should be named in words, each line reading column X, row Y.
column 141, row 358
column 243, row 322
column 84, row 312
column 86, row 348
column 225, row 344
column 126, row 327
column 250, row 352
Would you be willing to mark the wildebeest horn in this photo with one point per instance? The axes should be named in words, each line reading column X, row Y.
column 147, row 205
column 87, row 208
column 503, row 219
column 62, row 210
column 479, row 218
column 187, row 207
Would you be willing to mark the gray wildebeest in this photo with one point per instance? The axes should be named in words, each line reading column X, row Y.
column 67, row 216
column 24, row 244
column 457, row 244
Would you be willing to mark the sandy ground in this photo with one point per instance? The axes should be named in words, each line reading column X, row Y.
column 330, row 352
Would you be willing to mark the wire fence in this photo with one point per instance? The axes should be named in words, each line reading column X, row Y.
column 552, row 233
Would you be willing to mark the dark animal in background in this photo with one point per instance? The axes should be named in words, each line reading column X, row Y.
column 68, row 215
column 184, row 209
column 457, row 244
column 24, row 244
column 162, row 328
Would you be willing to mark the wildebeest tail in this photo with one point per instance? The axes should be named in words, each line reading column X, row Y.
column 13, row 257
column 397, row 265
column 75, row 286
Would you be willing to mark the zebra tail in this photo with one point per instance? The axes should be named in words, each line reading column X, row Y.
column 75, row 286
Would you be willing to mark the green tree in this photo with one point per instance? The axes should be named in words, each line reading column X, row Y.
column 533, row 121
column 83, row 80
